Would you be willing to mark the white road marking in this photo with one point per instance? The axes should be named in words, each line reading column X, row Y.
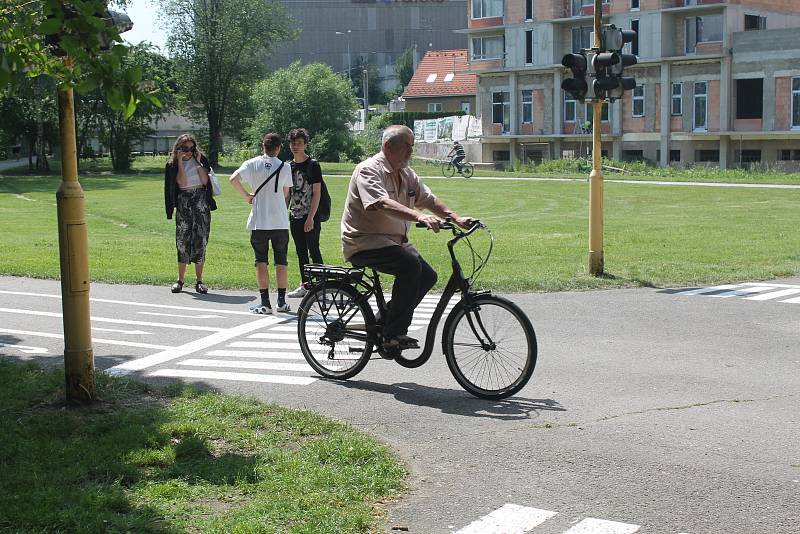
column 255, row 354
column 284, row 328
column 742, row 291
column 792, row 301
column 591, row 525
column 117, row 321
column 130, row 303
column 263, row 345
column 775, row 294
column 25, row 349
column 703, row 290
column 236, row 364
column 189, row 348
column 273, row 335
column 239, row 377
column 509, row 519
column 131, row 332
column 204, row 316
column 94, row 339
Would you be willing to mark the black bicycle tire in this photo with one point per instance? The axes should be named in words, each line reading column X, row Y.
column 467, row 170
column 448, row 169
column 302, row 317
column 457, row 315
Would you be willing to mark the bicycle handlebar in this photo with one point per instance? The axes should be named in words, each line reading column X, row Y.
column 448, row 224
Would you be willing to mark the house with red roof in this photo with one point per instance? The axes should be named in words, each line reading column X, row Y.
column 442, row 83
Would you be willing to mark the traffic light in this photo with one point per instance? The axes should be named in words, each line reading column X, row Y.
column 577, row 86
column 613, row 62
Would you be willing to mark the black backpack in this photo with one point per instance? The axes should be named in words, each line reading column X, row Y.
column 324, row 208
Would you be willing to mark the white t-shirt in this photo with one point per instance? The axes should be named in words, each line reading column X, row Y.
column 269, row 210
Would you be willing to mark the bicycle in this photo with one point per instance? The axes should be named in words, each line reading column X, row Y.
column 449, row 169
column 488, row 341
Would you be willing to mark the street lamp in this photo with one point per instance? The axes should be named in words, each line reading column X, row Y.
column 347, row 33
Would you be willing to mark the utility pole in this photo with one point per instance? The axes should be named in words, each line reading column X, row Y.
column 73, row 244
column 365, row 74
column 596, row 176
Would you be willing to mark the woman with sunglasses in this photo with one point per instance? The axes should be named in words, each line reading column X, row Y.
column 187, row 192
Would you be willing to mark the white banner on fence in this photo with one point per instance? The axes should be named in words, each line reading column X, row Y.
column 448, row 128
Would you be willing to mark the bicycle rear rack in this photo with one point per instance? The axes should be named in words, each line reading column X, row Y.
column 323, row 273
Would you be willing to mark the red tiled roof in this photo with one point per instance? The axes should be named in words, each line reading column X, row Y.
column 442, row 63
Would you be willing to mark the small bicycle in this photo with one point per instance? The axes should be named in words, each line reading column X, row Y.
column 449, row 169
column 488, row 341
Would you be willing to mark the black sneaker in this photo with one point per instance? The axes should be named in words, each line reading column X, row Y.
column 401, row 342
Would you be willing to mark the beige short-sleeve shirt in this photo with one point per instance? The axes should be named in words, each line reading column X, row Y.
column 372, row 180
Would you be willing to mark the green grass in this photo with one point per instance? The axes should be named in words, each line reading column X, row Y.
column 181, row 460
column 654, row 235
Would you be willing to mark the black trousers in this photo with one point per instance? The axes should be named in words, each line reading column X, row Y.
column 305, row 243
column 413, row 278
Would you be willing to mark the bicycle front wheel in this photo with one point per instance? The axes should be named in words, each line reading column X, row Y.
column 491, row 349
column 467, row 169
column 448, row 169
column 332, row 329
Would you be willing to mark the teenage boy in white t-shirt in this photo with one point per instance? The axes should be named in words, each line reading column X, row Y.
column 269, row 218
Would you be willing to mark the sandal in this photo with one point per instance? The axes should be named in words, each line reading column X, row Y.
column 177, row 287
column 200, row 288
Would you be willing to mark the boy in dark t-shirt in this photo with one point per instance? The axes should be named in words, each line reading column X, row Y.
column 306, row 193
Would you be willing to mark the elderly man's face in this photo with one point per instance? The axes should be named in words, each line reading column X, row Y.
column 399, row 151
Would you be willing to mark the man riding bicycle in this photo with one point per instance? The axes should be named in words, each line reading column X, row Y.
column 460, row 155
column 381, row 201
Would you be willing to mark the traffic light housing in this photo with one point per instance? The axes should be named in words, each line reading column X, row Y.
column 577, row 86
column 605, row 66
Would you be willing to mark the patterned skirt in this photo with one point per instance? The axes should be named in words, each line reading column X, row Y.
column 192, row 226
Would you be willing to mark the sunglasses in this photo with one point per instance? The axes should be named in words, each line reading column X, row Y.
column 185, row 149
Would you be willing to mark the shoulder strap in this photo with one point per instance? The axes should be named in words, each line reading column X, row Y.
column 271, row 176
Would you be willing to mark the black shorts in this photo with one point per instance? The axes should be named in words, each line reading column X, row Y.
column 260, row 240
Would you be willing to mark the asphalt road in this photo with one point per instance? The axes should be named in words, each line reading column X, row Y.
column 651, row 410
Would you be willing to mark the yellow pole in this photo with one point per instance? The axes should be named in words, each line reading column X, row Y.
column 596, row 176
column 73, row 245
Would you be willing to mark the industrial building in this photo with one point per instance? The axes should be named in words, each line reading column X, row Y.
column 339, row 32
column 717, row 80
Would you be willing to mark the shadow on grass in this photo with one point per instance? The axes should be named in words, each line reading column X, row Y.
column 76, row 469
column 458, row 402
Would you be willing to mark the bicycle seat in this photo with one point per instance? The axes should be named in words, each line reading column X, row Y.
column 319, row 272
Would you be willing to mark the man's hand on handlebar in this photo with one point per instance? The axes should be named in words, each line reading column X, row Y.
column 464, row 222
column 429, row 221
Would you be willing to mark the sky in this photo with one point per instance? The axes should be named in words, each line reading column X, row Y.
column 145, row 24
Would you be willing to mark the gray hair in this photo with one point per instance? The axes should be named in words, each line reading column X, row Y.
column 394, row 131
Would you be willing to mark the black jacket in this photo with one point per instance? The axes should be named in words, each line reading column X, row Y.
column 171, row 187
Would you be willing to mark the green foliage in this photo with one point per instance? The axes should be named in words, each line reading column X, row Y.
column 36, row 37
column 96, row 118
column 408, row 117
column 143, row 460
column 308, row 96
column 404, row 67
column 220, row 48
column 29, row 112
column 362, row 63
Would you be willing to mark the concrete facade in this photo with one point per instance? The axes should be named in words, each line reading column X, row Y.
column 695, row 56
column 338, row 32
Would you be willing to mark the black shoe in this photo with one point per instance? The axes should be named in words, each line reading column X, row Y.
column 200, row 288
column 400, row 343
column 177, row 287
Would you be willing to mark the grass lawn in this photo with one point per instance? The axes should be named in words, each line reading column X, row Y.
column 180, row 460
column 654, row 235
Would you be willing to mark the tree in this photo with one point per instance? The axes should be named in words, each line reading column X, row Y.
column 373, row 79
column 29, row 112
column 404, row 67
column 309, row 96
column 97, row 119
column 219, row 47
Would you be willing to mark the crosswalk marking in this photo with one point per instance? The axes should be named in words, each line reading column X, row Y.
column 775, row 294
column 115, row 321
column 591, row 525
column 510, row 519
column 238, row 377
column 759, row 291
column 236, row 364
column 256, row 354
column 273, row 335
column 264, row 345
column 94, row 339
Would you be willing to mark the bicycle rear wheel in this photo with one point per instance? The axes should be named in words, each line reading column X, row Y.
column 467, row 169
column 491, row 350
column 448, row 169
column 331, row 327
